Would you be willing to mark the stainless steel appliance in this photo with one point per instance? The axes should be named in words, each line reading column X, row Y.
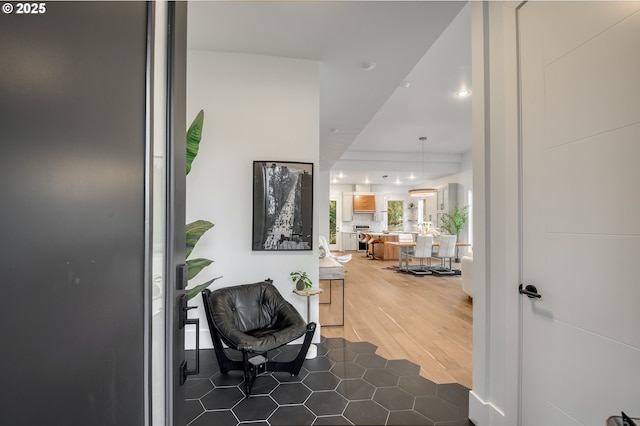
column 359, row 230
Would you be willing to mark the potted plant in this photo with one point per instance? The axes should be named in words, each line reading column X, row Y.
column 197, row 229
column 301, row 280
column 454, row 222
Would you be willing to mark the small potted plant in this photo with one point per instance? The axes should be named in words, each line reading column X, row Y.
column 301, row 279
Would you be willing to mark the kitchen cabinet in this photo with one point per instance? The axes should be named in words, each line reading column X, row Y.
column 447, row 199
column 380, row 208
column 364, row 203
column 349, row 241
column 430, row 210
column 347, row 206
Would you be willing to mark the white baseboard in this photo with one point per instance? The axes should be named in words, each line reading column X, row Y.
column 481, row 413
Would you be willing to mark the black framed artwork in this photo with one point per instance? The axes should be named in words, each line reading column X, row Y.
column 282, row 206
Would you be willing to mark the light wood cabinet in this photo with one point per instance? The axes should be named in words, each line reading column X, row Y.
column 364, row 203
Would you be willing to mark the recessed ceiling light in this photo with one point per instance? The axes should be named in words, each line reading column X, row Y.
column 405, row 84
column 463, row 93
column 367, row 65
column 422, row 138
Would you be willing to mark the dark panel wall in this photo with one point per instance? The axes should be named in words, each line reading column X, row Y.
column 72, row 154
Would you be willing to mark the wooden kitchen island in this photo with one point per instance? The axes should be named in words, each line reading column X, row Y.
column 387, row 251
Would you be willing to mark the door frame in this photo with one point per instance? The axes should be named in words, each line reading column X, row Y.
column 495, row 398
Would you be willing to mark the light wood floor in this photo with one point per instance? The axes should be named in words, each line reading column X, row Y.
column 426, row 320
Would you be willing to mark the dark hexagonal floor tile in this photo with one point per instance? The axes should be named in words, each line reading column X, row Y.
column 263, row 385
column 196, row 388
column 320, row 363
column 362, row 347
column 218, row 418
column 336, row 342
column 402, row 367
column 393, row 398
column 208, row 368
column 321, row 380
column 326, row 403
column 192, row 409
column 341, row 355
column 455, row 393
column 255, row 408
column 348, row 370
column 437, row 409
column 321, row 349
column 332, row 421
column 292, row 415
column 291, row 393
column 380, row 377
column 222, row 398
column 366, row 413
column 371, row 361
column 418, row 386
column 232, row 378
column 355, row 389
column 284, row 377
column 408, row 417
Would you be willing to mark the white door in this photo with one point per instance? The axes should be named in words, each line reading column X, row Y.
column 580, row 105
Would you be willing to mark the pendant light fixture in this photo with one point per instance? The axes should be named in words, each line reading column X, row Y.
column 422, row 192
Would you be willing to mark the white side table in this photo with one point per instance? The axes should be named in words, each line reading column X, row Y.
column 308, row 292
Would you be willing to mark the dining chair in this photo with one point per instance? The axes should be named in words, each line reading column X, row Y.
column 408, row 251
column 424, row 244
column 447, row 250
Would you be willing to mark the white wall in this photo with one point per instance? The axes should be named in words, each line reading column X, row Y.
column 494, row 398
column 256, row 108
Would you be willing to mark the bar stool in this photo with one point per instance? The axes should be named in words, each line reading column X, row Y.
column 372, row 246
column 365, row 237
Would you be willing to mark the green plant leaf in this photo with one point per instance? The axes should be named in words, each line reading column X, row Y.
column 194, row 231
column 194, row 291
column 196, row 265
column 454, row 222
column 194, row 134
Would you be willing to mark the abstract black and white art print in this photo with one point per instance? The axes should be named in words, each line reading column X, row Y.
column 282, row 206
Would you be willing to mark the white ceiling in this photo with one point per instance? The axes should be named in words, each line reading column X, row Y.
column 369, row 123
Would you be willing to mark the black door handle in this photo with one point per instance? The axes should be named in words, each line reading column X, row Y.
column 530, row 291
column 184, row 370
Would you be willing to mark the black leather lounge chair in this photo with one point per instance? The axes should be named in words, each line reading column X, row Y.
column 254, row 319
